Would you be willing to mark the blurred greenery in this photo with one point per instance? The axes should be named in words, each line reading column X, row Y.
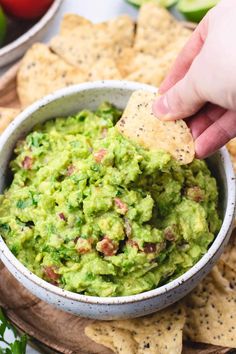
column 191, row 10
column 18, row 345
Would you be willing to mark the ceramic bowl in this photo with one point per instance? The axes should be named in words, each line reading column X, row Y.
column 64, row 103
column 15, row 49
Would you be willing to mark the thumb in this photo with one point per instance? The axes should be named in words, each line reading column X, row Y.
column 183, row 99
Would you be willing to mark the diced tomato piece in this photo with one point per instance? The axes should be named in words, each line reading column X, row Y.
column 123, row 208
column 99, row 155
column 149, row 247
column 27, row 163
column 50, row 272
column 62, row 216
column 107, row 247
column 70, row 170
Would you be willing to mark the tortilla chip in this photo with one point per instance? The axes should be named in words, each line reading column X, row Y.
column 84, row 45
column 158, row 42
column 104, row 69
column 118, row 340
column 158, row 333
column 125, row 61
column 7, row 115
column 229, row 255
column 149, row 69
column 158, row 32
column 140, row 125
column 211, row 308
column 72, row 21
column 231, row 146
column 121, row 30
column 42, row 72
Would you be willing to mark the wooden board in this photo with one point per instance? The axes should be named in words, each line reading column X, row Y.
column 58, row 330
column 8, row 92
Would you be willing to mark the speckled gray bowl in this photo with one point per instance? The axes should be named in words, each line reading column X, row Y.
column 90, row 95
column 15, row 49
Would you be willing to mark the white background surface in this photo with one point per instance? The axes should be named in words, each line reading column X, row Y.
column 96, row 11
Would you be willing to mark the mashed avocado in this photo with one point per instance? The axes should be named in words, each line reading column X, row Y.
column 93, row 213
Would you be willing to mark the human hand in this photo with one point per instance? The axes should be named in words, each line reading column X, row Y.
column 202, row 82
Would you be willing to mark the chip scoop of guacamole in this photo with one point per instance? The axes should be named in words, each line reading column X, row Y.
column 139, row 124
column 93, row 212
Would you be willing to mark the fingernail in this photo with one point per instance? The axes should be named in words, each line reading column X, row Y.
column 161, row 108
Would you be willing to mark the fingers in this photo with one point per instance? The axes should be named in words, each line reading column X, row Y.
column 186, row 56
column 206, row 117
column 183, row 99
column 216, row 135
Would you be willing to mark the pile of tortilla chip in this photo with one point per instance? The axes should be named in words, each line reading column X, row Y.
column 6, row 116
column 206, row 315
column 112, row 50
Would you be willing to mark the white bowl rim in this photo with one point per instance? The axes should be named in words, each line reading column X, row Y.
column 33, row 30
column 219, row 239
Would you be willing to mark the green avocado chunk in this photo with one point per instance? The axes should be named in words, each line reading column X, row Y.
column 94, row 213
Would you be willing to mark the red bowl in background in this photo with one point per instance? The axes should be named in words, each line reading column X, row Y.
column 26, row 9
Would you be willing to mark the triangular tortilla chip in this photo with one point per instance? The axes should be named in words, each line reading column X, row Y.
column 83, row 46
column 158, row 333
column 231, row 146
column 158, row 32
column 6, row 116
column 118, row 340
column 229, row 255
column 211, row 308
column 104, row 69
column 148, row 69
column 72, row 21
column 139, row 124
column 42, row 72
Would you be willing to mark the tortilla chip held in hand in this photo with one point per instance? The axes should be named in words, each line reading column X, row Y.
column 139, row 124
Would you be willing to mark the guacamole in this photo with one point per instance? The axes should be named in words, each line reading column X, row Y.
column 93, row 213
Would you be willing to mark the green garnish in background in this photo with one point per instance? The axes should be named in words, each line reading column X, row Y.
column 18, row 346
column 193, row 10
column 165, row 3
column 3, row 26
